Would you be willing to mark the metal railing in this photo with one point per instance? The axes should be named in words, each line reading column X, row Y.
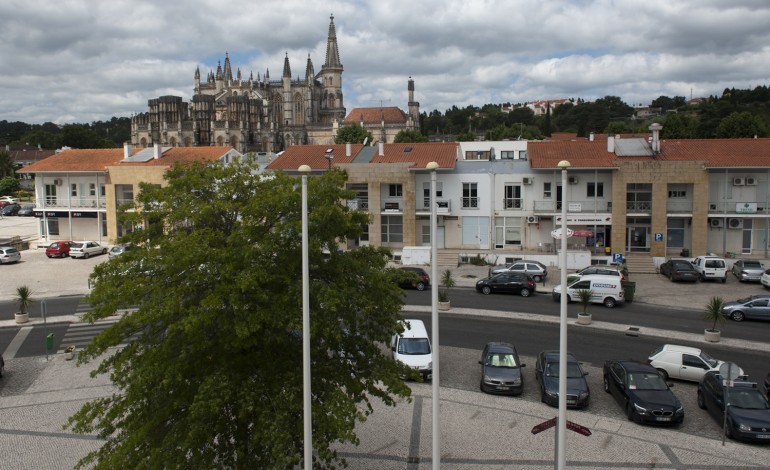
column 75, row 202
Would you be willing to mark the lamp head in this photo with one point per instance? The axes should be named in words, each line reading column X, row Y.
column 432, row 166
column 304, row 169
column 564, row 164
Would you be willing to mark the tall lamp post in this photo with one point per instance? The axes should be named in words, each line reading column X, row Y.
column 328, row 156
column 561, row 429
column 432, row 167
column 307, row 416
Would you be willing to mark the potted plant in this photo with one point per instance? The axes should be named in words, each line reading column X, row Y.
column 69, row 352
column 584, row 297
column 443, row 300
column 446, row 279
column 713, row 314
column 24, row 299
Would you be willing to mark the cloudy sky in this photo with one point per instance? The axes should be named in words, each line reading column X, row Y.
column 78, row 61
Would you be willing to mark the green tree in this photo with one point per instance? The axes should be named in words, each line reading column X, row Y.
column 353, row 134
column 409, row 136
column 6, row 164
column 680, row 126
column 214, row 379
column 9, row 185
column 744, row 124
column 467, row 136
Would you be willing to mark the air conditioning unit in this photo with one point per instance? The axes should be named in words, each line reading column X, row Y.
column 735, row 223
column 57, row 182
column 526, row 180
column 712, row 207
column 573, row 180
column 715, row 223
column 532, row 219
column 751, row 181
column 739, row 181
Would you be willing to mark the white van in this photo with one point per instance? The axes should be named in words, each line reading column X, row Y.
column 412, row 347
column 607, row 290
column 710, row 267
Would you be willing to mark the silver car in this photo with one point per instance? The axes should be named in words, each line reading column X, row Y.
column 536, row 270
column 9, row 255
column 754, row 307
column 86, row 249
column 748, row 270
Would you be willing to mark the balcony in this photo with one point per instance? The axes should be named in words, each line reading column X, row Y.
column 359, row 204
column 590, row 206
column 443, row 206
column 71, row 203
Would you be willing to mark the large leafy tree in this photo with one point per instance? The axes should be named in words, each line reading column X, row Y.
column 212, row 375
column 6, row 164
column 409, row 136
column 744, row 124
column 353, row 134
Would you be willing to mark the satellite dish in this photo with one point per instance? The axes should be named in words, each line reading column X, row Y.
column 729, row 370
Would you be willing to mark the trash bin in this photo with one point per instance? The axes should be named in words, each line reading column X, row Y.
column 629, row 287
column 685, row 253
column 49, row 341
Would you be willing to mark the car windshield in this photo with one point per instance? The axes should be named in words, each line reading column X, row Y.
column 501, row 360
column 708, row 359
column 750, row 399
column 573, row 370
column 413, row 346
column 646, row 381
column 752, row 264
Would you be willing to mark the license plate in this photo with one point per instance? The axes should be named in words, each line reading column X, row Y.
column 663, row 418
column 571, row 402
column 763, row 436
column 503, row 388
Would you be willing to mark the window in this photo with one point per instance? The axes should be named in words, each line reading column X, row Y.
column 477, row 154
column 522, row 154
column 693, row 361
column 547, row 190
column 426, row 193
column 507, row 231
column 74, row 189
column 470, row 196
column 53, row 226
column 595, row 190
column 512, row 199
column 91, row 189
column 392, row 228
column 507, row 154
column 395, row 190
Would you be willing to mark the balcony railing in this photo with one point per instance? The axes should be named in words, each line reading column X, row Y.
column 470, row 202
column 361, row 204
column 74, row 202
column 639, row 206
column 584, row 206
column 512, row 203
column 443, row 206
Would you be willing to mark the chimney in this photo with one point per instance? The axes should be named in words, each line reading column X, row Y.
column 591, row 137
column 156, row 151
column 126, row 150
column 655, row 128
column 611, row 143
column 381, row 146
column 348, row 149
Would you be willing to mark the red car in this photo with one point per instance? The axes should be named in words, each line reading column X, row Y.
column 60, row 249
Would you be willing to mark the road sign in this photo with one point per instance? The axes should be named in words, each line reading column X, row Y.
column 578, row 428
column 543, row 426
column 617, row 257
column 729, row 371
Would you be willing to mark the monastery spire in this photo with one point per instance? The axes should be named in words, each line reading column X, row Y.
column 228, row 70
column 286, row 68
column 332, row 52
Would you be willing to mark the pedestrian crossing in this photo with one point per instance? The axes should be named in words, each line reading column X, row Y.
column 81, row 334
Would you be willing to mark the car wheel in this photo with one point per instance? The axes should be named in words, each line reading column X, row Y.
column 104, row 251
column 737, row 316
column 64, row 255
column 609, row 302
column 86, row 255
column 671, row 276
column 420, row 286
column 486, row 290
column 701, row 402
column 606, row 384
column 557, row 298
column 537, row 278
column 663, row 374
column 701, row 278
column 525, row 292
column 630, row 413
column 50, row 256
column 729, row 429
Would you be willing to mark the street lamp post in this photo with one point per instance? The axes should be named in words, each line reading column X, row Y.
column 328, row 156
column 432, row 166
column 306, row 397
column 561, row 429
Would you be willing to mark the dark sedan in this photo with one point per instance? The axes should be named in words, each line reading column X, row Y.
column 641, row 391
column 748, row 412
column 501, row 370
column 26, row 211
column 409, row 277
column 679, row 270
column 547, row 375
column 513, row 283
column 10, row 209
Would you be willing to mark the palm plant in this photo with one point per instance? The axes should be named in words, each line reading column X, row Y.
column 443, row 296
column 584, row 297
column 713, row 312
column 446, row 279
column 23, row 298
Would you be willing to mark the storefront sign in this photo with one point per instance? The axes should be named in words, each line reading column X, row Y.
column 746, row 207
column 64, row 214
column 582, row 233
column 587, row 219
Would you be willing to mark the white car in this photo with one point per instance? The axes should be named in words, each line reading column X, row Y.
column 765, row 279
column 85, row 249
column 536, row 270
column 8, row 200
column 683, row 362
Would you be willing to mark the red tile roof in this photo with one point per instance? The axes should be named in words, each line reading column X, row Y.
column 99, row 159
column 419, row 155
column 391, row 115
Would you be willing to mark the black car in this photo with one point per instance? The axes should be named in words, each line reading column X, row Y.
column 547, row 375
column 514, row 283
column 501, row 370
column 679, row 270
column 10, row 209
column 767, row 386
column 409, row 277
column 26, row 211
column 2, row 365
column 748, row 412
column 641, row 391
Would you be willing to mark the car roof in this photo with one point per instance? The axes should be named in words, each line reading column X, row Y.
column 680, row 348
column 497, row 346
column 636, row 366
column 553, row 356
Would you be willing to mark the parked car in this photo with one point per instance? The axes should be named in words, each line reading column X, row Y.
column 86, row 249
column 5, row 200
column 10, row 209
column 767, row 386
column 754, row 307
column 641, row 391
column 26, row 211
column 683, row 362
column 501, row 369
column 748, row 411
column 538, row 271
column 2, row 365
column 9, row 255
column 412, row 347
column 679, row 270
column 606, row 290
column 765, row 279
column 58, row 249
column 748, row 270
column 409, row 277
column 606, row 270
column 547, row 375
column 514, row 283
column 710, row 267
column 118, row 250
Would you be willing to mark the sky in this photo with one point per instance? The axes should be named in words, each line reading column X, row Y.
column 79, row 61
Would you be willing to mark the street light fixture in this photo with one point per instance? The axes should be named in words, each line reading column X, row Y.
column 561, row 428
column 306, row 397
column 329, row 157
column 432, row 167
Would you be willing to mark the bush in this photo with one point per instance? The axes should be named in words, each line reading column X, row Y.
column 478, row 261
